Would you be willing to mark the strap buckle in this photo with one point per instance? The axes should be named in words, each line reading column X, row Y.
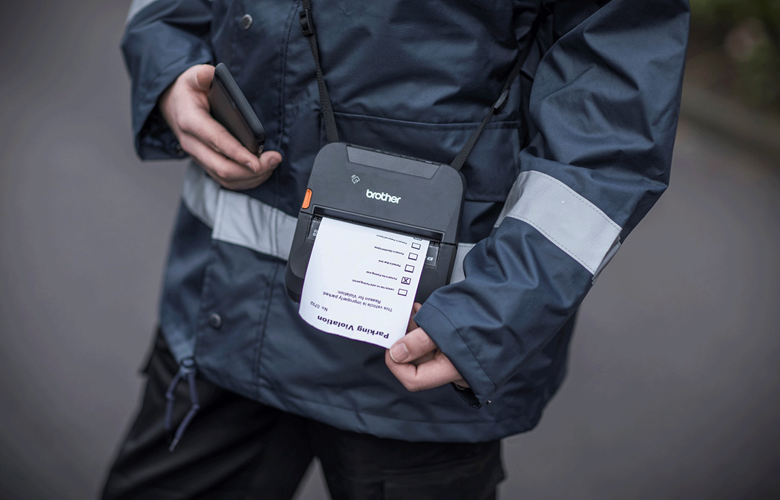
column 501, row 99
column 307, row 25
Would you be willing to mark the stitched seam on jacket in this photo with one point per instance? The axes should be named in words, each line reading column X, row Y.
column 507, row 124
column 261, row 328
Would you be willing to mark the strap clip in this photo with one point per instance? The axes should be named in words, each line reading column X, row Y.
column 501, row 99
column 307, row 24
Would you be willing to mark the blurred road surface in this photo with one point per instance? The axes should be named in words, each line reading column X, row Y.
column 674, row 379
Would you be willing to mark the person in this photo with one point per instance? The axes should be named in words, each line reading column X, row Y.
column 244, row 392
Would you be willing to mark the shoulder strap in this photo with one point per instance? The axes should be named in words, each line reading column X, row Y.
column 464, row 153
column 307, row 25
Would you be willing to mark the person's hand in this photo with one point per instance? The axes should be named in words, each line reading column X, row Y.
column 417, row 363
column 185, row 107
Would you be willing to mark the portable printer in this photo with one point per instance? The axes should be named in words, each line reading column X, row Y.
column 390, row 192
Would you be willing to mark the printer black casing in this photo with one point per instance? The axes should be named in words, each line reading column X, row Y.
column 431, row 200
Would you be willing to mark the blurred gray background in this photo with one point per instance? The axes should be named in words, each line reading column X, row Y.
column 673, row 385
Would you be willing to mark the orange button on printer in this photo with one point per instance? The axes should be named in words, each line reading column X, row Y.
column 306, row 199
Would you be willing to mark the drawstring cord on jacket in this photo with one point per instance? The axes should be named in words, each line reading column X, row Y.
column 186, row 370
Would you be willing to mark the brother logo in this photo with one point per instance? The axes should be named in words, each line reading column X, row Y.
column 382, row 196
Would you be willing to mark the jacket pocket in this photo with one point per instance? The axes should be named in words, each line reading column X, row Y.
column 491, row 168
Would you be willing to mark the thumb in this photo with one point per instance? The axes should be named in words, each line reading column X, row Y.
column 204, row 76
column 412, row 346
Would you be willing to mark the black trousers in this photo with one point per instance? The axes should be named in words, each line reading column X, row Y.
column 236, row 448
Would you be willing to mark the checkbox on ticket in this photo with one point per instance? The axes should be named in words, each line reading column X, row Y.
column 402, row 292
column 416, row 246
column 412, row 256
column 409, row 268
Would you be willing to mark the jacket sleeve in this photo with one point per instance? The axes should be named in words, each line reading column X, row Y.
column 162, row 39
column 604, row 105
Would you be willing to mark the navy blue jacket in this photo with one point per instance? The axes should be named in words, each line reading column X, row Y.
column 564, row 172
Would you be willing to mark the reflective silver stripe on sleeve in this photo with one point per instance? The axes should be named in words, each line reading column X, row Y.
column 136, row 7
column 244, row 221
column 572, row 223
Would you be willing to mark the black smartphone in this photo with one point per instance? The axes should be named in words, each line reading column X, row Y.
column 230, row 108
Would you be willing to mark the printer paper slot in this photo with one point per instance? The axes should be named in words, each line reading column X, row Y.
column 430, row 259
column 375, row 222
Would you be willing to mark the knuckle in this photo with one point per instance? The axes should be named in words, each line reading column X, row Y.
column 213, row 143
column 220, row 173
column 411, row 385
column 185, row 143
column 186, row 123
column 257, row 165
column 421, row 346
column 229, row 183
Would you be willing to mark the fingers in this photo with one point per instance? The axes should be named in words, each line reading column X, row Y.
column 198, row 123
column 434, row 373
column 417, row 363
column 223, row 170
column 204, row 76
column 413, row 345
column 224, row 158
column 270, row 160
